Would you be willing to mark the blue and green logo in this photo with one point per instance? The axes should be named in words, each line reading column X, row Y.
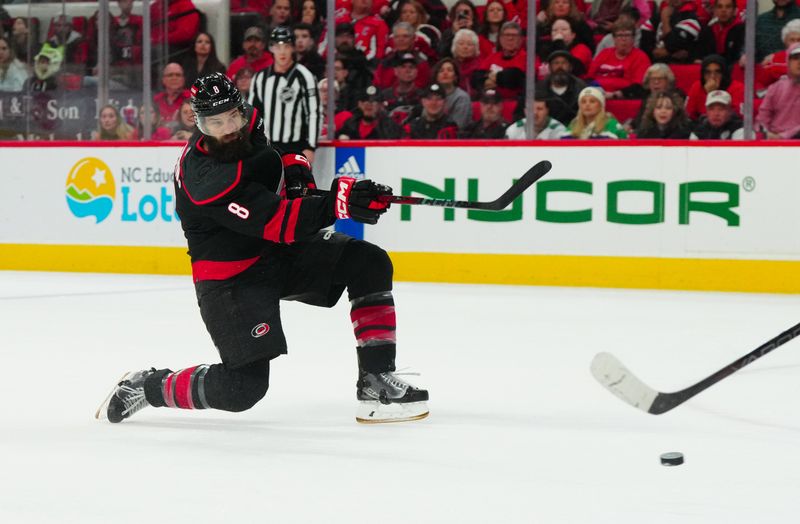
column 90, row 189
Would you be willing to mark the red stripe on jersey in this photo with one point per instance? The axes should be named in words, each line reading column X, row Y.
column 183, row 388
column 220, row 195
column 272, row 231
column 199, row 145
column 253, row 120
column 220, row 270
column 294, row 213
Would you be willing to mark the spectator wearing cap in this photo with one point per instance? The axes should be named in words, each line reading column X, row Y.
column 681, row 44
column 724, row 35
column 664, row 118
column 770, row 24
column 306, row 50
column 466, row 53
column 403, row 39
column 286, row 95
column 774, row 65
column 504, row 70
column 720, row 121
column 620, row 70
column 456, row 103
column 490, row 125
column 592, row 120
column 370, row 30
column 401, row 99
column 714, row 75
column 561, row 86
column 433, row 123
column 545, row 127
column 779, row 114
column 255, row 57
column 369, row 121
column 169, row 100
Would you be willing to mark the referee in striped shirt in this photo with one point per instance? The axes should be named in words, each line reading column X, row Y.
column 285, row 94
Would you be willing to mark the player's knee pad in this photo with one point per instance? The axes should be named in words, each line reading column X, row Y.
column 369, row 269
column 238, row 389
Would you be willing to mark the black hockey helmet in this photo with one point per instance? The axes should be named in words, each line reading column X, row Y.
column 281, row 35
column 213, row 95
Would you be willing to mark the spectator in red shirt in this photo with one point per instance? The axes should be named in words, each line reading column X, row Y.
column 494, row 16
column 255, row 57
column 158, row 131
column 504, row 71
column 564, row 9
column 724, row 35
column 183, row 23
column 169, row 101
column 415, row 14
column 403, row 43
column 467, row 55
column 562, row 36
column 125, row 36
column 714, row 75
column 371, row 31
column 620, row 70
column 433, row 123
column 463, row 15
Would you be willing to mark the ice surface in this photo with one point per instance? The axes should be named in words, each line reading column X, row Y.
column 519, row 432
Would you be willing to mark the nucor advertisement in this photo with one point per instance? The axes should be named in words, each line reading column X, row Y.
column 640, row 201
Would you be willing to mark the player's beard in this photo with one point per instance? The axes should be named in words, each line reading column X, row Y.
column 230, row 149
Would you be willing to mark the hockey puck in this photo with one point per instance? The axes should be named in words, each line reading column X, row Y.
column 673, row 458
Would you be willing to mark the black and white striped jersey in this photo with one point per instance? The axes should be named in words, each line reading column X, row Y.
column 289, row 103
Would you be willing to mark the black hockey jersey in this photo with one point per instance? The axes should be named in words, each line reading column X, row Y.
column 233, row 213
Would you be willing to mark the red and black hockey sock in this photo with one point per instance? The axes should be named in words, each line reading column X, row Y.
column 375, row 326
column 209, row 387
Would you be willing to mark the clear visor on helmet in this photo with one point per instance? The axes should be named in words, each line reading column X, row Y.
column 222, row 124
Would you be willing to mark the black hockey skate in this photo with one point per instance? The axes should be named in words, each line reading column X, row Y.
column 126, row 398
column 383, row 397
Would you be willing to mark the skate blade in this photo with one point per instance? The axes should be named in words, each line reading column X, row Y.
column 373, row 412
column 102, row 411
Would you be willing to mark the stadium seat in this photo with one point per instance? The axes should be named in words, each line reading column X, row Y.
column 623, row 110
column 685, row 75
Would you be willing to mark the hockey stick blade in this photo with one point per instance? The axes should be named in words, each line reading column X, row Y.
column 615, row 377
column 516, row 189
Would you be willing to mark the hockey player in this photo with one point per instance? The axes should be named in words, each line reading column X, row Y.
column 254, row 238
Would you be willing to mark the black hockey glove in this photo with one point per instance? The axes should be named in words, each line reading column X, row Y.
column 357, row 199
column 297, row 175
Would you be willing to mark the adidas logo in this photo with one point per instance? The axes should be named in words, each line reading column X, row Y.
column 351, row 168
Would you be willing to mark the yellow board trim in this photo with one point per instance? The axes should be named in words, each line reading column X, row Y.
column 757, row 276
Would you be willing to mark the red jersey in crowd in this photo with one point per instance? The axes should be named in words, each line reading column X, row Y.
column 498, row 62
column 371, row 34
column 256, row 65
column 613, row 73
column 183, row 22
column 168, row 111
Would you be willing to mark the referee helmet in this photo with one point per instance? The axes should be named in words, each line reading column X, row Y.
column 281, row 35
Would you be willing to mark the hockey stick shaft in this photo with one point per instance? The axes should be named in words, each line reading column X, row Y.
column 528, row 179
column 666, row 401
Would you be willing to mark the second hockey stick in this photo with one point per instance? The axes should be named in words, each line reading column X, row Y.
column 532, row 175
column 610, row 372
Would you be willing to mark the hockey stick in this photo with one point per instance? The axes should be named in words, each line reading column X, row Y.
column 610, row 372
column 516, row 189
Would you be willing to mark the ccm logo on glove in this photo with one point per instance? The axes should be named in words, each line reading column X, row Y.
column 345, row 185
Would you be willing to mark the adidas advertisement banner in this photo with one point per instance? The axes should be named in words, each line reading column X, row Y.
column 350, row 161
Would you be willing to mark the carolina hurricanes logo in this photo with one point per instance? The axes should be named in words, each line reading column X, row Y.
column 260, row 330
